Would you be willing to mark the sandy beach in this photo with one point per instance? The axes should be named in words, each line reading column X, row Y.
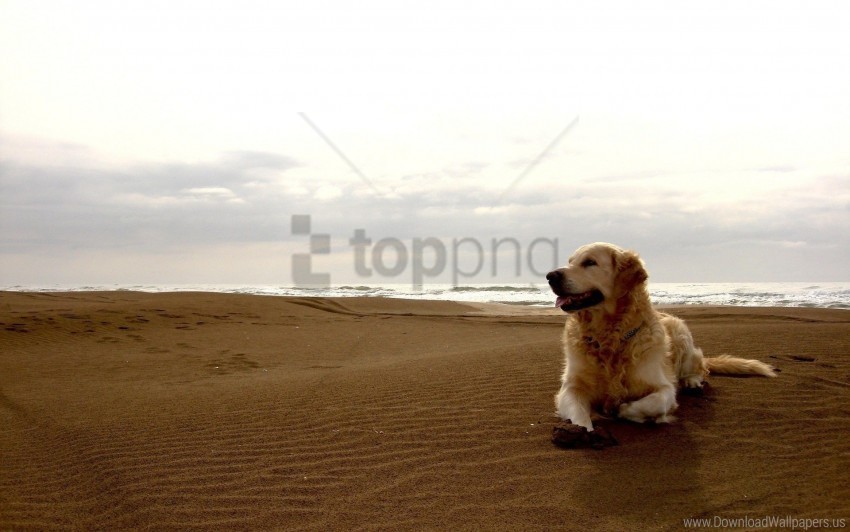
column 127, row 410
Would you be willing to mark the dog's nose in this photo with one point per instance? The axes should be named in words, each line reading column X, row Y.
column 554, row 277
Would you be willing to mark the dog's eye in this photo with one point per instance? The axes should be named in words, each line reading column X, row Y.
column 587, row 263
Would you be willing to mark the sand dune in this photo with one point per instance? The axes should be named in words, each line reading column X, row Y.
column 196, row 410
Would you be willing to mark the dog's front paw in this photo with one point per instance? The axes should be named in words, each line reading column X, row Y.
column 634, row 412
column 628, row 411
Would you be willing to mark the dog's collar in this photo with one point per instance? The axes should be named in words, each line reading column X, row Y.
column 628, row 336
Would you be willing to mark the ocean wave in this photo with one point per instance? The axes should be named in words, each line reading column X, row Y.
column 813, row 295
column 525, row 289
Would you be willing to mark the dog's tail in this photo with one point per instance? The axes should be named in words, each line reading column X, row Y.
column 728, row 365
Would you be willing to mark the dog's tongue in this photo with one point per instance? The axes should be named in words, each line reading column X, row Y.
column 561, row 301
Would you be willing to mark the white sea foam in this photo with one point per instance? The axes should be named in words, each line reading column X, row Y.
column 820, row 295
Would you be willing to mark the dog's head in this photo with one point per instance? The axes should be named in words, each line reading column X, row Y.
column 594, row 274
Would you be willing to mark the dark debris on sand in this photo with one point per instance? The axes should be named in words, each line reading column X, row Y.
column 569, row 436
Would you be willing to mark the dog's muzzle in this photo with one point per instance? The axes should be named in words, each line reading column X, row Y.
column 567, row 300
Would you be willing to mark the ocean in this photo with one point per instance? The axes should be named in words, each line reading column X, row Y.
column 834, row 295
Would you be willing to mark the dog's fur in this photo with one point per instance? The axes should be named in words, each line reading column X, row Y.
column 622, row 357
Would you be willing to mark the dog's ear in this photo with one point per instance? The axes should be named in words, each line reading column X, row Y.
column 630, row 272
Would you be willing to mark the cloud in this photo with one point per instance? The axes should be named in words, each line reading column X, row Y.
column 217, row 194
column 250, row 160
column 327, row 193
column 247, row 198
column 465, row 170
column 88, row 205
column 185, row 197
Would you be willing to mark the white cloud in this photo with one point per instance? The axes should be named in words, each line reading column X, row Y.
column 700, row 124
column 213, row 194
column 327, row 193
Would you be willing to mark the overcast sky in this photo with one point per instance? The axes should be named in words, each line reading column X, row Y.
column 171, row 142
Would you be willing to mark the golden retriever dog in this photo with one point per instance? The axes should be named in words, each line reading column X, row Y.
column 622, row 357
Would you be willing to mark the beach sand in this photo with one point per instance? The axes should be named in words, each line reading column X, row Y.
column 220, row 411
